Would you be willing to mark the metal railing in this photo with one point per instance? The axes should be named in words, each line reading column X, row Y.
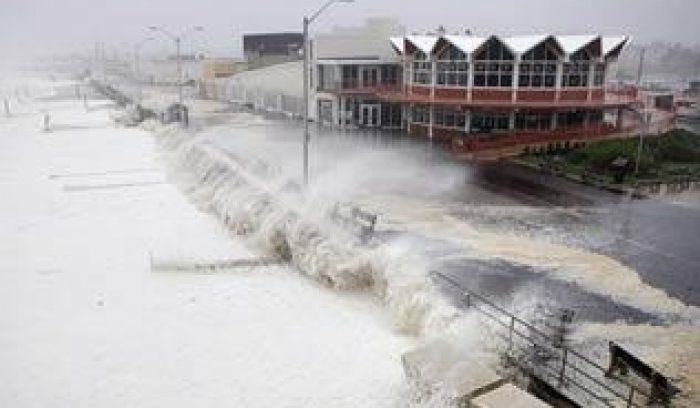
column 493, row 141
column 565, row 369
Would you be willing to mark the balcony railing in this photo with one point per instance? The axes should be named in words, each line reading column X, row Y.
column 361, row 87
column 474, row 143
column 497, row 141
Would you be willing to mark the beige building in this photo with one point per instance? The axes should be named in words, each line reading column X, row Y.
column 216, row 68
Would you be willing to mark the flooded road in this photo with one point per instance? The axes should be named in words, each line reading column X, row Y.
column 519, row 236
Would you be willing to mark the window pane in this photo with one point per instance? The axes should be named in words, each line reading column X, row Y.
column 549, row 81
column 452, row 78
column 464, row 79
column 506, row 80
column 461, row 121
column 536, row 81
column 524, row 81
column 492, row 80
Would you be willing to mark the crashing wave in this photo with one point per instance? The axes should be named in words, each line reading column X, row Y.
column 253, row 198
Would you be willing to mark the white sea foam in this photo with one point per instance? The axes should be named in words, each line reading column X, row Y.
column 255, row 199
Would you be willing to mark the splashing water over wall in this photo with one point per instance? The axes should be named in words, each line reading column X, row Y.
column 254, row 199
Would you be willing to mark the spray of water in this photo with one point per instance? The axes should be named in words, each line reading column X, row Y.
column 255, row 199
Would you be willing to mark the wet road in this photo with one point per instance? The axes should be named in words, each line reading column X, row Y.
column 656, row 238
column 659, row 238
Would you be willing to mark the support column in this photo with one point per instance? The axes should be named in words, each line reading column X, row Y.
column 511, row 120
column 409, row 76
column 516, row 78
column 591, row 74
column 337, row 77
column 409, row 118
column 432, row 121
column 554, row 120
column 406, row 76
column 335, row 113
column 343, row 113
column 467, row 121
column 470, row 79
column 620, row 119
column 433, row 77
column 559, row 78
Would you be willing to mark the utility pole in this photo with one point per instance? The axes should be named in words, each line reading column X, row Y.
column 643, row 123
column 307, row 136
column 643, row 120
column 178, row 42
column 307, row 61
column 137, row 66
column 640, row 67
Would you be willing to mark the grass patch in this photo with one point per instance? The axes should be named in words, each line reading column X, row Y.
column 673, row 155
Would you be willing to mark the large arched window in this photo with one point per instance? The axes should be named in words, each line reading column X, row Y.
column 576, row 71
column 538, row 68
column 493, row 65
column 422, row 68
column 452, row 67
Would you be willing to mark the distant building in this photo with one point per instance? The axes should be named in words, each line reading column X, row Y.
column 261, row 50
column 694, row 88
column 216, row 68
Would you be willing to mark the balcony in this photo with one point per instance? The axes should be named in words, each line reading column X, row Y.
column 357, row 87
column 511, row 143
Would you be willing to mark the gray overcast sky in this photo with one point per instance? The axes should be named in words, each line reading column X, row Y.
column 37, row 26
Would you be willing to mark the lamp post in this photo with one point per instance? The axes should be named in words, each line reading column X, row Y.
column 177, row 39
column 643, row 128
column 137, row 65
column 307, row 62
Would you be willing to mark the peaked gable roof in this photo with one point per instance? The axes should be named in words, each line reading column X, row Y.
column 610, row 44
column 524, row 43
column 398, row 44
column 424, row 43
column 572, row 43
column 465, row 43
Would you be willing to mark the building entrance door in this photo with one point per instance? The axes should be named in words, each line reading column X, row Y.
column 369, row 77
column 369, row 115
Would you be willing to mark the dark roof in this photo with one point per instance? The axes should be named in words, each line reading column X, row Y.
column 272, row 43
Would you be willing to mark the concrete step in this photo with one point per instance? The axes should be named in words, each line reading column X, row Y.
column 442, row 369
column 507, row 396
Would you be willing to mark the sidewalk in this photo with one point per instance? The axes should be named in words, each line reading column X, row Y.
column 86, row 322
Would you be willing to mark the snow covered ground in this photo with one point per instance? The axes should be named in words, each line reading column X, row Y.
column 85, row 321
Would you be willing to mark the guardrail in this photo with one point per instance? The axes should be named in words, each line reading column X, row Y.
column 565, row 369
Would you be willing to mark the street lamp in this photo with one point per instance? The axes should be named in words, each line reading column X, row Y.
column 307, row 137
column 643, row 128
column 178, row 41
column 137, row 65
